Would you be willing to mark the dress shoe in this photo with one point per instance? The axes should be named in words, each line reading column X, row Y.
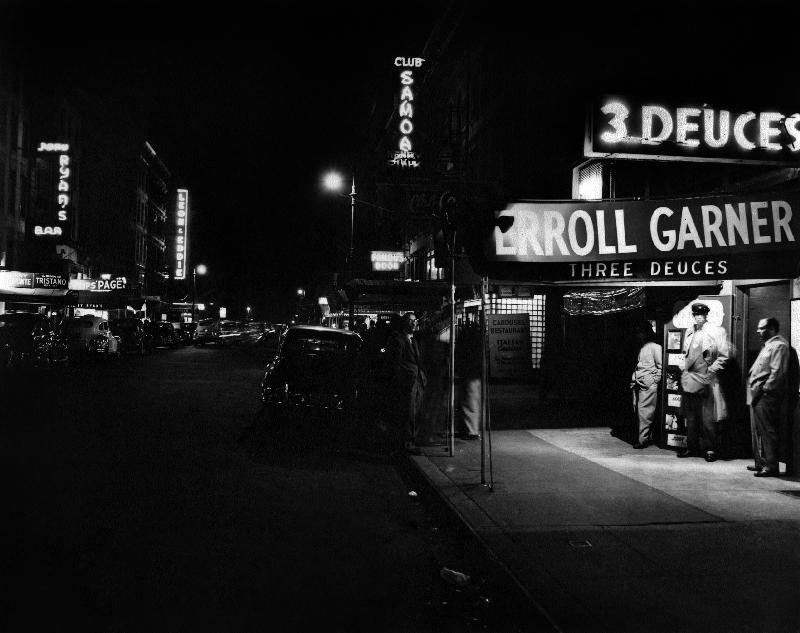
column 686, row 453
column 710, row 456
column 766, row 473
column 639, row 445
column 754, row 469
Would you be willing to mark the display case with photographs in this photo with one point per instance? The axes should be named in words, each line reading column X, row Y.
column 674, row 424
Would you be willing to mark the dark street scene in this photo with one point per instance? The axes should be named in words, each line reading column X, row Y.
column 441, row 316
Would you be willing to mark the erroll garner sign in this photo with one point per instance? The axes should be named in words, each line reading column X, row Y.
column 692, row 237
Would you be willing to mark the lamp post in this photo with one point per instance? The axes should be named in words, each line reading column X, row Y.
column 335, row 182
column 199, row 269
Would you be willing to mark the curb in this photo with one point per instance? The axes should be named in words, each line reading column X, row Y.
column 459, row 508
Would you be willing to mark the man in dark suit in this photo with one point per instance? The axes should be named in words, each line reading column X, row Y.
column 408, row 380
column 767, row 391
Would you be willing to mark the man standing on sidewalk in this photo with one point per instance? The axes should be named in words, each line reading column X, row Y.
column 767, row 390
column 645, row 381
column 408, row 380
column 706, row 350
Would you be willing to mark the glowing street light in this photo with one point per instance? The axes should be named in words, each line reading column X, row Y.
column 333, row 181
column 199, row 269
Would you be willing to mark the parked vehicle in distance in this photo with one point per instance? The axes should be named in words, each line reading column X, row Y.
column 207, row 331
column 132, row 335
column 253, row 331
column 315, row 367
column 90, row 335
column 185, row 332
column 163, row 334
column 230, row 332
column 31, row 338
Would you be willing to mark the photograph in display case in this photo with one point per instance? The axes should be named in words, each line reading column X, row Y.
column 671, row 422
column 675, row 340
column 677, row 360
column 673, row 380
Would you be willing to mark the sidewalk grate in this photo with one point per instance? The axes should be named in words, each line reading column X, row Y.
column 791, row 493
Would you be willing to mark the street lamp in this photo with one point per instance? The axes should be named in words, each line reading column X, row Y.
column 335, row 182
column 199, row 269
column 248, row 312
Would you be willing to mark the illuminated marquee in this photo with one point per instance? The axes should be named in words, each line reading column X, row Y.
column 699, row 132
column 63, row 193
column 404, row 155
column 98, row 285
column 736, row 237
column 387, row 260
column 181, row 234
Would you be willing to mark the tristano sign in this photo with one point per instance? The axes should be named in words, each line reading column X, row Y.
column 691, row 237
column 21, row 282
column 627, row 128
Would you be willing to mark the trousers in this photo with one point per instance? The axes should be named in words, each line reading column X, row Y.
column 646, row 400
column 764, row 421
column 701, row 424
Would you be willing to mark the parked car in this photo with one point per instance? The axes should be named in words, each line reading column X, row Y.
column 90, row 335
column 131, row 334
column 185, row 332
column 31, row 338
column 230, row 332
column 207, row 331
column 163, row 334
column 315, row 367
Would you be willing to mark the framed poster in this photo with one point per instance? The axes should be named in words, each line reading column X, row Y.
column 674, row 340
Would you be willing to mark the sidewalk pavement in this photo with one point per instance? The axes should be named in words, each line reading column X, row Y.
column 605, row 538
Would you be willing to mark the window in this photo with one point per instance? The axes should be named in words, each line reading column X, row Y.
column 431, row 271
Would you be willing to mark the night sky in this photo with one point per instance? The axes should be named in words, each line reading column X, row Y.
column 249, row 104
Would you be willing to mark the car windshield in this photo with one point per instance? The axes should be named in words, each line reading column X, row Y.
column 319, row 341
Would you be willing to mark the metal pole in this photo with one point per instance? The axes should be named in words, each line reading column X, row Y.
column 350, row 256
column 194, row 292
column 452, row 404
column 484, row 377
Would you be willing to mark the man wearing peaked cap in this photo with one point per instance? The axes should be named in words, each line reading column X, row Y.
column 706, row 350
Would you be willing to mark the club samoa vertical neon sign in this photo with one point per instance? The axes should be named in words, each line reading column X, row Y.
column 181, row 232
column 404, row 155
column 58, row 224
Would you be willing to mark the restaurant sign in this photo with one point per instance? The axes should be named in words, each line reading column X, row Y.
column 691, row 238
column 627, row 128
